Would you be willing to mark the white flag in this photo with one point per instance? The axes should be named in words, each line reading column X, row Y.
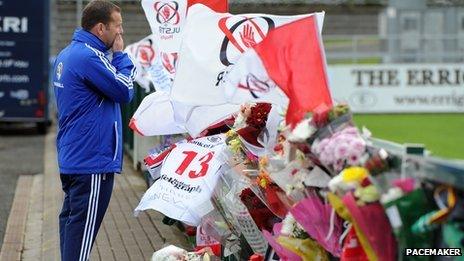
column 166, row 18
column 156, row 115
column 202, row 117
column 212, row 42
column 156, row 69
column 248, row 81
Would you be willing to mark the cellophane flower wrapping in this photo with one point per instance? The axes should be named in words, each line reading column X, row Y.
column 283, row 253
column 173, row 253
column 321, row 224
column 236, row 212
column 374, row 224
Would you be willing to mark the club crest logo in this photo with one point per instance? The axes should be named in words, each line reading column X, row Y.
column 59, row 71
column 242, row 34
column 255, row 86
column 145, row 53
column 214, row 139
column 167, row 12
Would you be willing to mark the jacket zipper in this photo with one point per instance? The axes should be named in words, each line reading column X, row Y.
column 117, row 140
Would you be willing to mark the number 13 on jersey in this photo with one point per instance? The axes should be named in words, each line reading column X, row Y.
column 195, row 172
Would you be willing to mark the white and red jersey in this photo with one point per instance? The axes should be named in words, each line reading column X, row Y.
column 187, row 179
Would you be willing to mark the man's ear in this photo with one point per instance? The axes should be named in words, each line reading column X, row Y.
column 100, row 28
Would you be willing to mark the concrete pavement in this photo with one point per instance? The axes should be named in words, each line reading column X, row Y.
column 32, row 230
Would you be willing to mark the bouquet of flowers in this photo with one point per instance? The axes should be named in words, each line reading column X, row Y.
column 243, row 136
column 294, row 238
column 227, row 198
column 261, row 214
column 283, row 253
column 344, row 148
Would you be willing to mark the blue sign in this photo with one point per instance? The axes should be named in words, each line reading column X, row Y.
column 24, row 44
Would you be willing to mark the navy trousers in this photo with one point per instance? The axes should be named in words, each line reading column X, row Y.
column 85, row 202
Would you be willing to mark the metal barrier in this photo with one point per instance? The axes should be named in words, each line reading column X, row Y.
column 443, row 171
column 132, row 142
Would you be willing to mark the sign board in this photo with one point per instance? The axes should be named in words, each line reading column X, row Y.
column 398, row 88
column 23, row 60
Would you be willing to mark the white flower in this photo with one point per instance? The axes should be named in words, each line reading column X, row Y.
column 366, row 133
column 335, row 183
column 239, row 121
column 392, row 194
column 383, row 154
column 287, row 225
column 302, row 131
column 169, row 253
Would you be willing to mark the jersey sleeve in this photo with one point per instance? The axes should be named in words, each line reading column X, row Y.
column 114, row 79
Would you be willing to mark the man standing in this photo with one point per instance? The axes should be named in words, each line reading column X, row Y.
column 89, row 87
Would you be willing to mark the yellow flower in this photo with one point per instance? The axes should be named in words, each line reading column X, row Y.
column 354, row 174
column 263, row 161
column 235, row 145
column 263, row 178
column 230, row 134
column 263, row 182
column 367, row 194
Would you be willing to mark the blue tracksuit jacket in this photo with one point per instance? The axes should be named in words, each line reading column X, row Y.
column 88, row 89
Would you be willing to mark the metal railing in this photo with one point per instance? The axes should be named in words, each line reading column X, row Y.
column 375, row 49
column 425, row 167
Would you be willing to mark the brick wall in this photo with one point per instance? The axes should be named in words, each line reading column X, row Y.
column 64, row 23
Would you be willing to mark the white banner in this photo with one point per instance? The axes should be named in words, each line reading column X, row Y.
column 212, row 42
column 188, row 177
column 399, row 87
column 155, row 69
column 157, row 114
column 166, row 18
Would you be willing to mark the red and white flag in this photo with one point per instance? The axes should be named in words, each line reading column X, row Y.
column 167, row 19
column 211, row 43
column 290, row 57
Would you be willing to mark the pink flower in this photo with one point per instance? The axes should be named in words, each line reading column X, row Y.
column 353, row 160
column 358, row 145
column 350, row 130
column 344, row 138
column 320, row 146
column 326, row 158
column 338, row 166
column 341, row 151
column 330, row 148
column 251, row 156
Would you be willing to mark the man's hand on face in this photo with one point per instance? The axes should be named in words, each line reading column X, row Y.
column 118, row 44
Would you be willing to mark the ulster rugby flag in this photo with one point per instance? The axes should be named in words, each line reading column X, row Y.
column 290, row 57
column 167, row 19
column 211, row 44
